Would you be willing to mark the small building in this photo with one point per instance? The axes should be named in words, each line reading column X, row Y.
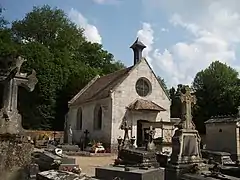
column 134, row 94
column 222, row 134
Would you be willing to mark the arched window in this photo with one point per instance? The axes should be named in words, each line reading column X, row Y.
column 97, row 117
column 79, row 119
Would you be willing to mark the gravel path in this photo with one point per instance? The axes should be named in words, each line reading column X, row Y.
column 88, row 164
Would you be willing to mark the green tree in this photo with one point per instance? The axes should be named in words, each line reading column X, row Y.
column 217, row 91
column 176, row 105
column 64, row 62
column 163, row 82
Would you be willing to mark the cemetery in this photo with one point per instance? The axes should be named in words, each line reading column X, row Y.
column 45, row 158
column 125, row 114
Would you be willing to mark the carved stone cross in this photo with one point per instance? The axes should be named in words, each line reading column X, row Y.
column 238, row 111
column 187, row 100
column 11, row 81
column 86, row 132
column 126, row 128
column 151, row 132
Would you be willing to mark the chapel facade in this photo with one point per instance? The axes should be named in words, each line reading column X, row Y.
column 134, row 94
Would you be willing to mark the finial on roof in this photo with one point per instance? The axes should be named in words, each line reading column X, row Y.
column 137, row 48
column 138, row 44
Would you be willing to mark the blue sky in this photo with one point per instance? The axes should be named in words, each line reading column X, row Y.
column 182, row 37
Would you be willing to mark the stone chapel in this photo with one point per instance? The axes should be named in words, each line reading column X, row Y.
column 133, row 94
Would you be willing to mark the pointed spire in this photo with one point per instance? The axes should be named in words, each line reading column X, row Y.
column 137, row 48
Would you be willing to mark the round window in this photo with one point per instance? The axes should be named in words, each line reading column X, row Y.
column 143, row 87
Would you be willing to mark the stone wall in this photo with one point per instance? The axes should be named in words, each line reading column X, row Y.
column 35, row 134
column 104, row 133
column 14, row 158
column 221, row 137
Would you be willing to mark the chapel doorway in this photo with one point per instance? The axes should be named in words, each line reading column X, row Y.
column 141, row 132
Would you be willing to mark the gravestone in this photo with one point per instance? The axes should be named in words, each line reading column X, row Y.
column 150, row 145
column 15, row 154
column 12, row 78
column 186, row 140
column 126, row 140
column 86, row 139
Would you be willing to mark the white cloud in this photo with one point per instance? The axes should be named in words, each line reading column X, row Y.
column 213, row 31
column 164, row 30
column 145, row 35
column 107, row 1
column 90, row 31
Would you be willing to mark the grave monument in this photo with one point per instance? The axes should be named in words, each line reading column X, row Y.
column 15, row 155
column 186, row 159
column 12, row 78
column 133, row 163
column 185, row 141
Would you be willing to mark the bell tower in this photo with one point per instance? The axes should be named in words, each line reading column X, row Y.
column 137, row 48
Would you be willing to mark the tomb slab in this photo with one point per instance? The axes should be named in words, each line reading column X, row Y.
column 111, row 172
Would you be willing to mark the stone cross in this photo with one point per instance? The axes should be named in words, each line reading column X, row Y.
column 239, row 111
column 187, row 100
column 70, row 134
column 151, row 132
column 150, row 144
column 126, row 128
column 11, row 81
column 86, row 132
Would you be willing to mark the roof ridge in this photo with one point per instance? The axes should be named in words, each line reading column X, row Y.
column 113, row 80
column 115, row 72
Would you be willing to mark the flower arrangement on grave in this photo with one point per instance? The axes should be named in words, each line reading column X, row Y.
column 132, row 140
column 43, row 136
column 73, row 170
column 97, row 147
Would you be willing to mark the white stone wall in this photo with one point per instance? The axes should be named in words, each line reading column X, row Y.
column 221, row 141
column 125, row 94
column 104, row 135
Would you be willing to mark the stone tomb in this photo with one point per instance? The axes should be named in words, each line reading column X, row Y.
column 186, row 159
column 48, row 160
column 185, row 141
column 111, row 172
column 133, row 163
column 60, row 175
column 136, row 157
column 204, row 177
column 129, row 155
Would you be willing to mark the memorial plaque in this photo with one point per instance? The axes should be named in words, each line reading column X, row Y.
column 189, row 146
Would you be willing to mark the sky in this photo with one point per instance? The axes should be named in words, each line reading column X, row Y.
column 182, row 36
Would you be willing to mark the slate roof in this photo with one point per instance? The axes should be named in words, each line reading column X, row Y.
column 138, row 43
column 141, row 104
column 223, row 119
column 101, row 87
